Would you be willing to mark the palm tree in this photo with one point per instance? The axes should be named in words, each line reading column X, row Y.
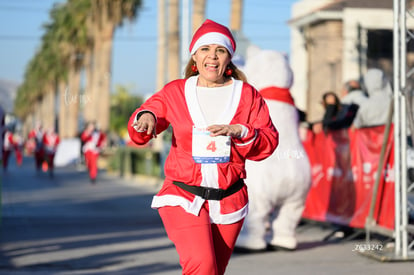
column 122, row 105
column 71, row 34
column 57, row 65
column 79, row 28
column 162, row 46
column 22, row 108
column 105, row 16
column 48, row 69
column 35, row 97
column 31, row 92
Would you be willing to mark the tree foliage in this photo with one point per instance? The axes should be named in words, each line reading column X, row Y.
column 70, row 37
column 123, row 104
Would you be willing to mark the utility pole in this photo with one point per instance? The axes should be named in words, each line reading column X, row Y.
column 199, row 9
column 173, row 40
column 162, row 47
column 236, row 15
column 185, row 35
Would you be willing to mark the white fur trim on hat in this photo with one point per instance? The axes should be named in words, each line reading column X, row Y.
column 213, row 38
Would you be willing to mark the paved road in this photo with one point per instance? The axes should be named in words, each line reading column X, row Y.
column 66, row 225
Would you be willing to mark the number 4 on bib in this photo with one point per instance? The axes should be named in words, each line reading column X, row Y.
column 208, row 149
column 212, row 146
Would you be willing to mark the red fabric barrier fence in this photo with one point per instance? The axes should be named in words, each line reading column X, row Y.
column 344, row 168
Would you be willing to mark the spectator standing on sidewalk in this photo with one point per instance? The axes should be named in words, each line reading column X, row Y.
column 352, row 93
column 374, row 111
column 337, row 115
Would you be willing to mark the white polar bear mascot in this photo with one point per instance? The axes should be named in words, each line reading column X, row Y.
column 278, row 185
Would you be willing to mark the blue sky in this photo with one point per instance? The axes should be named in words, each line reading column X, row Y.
column 135, row 44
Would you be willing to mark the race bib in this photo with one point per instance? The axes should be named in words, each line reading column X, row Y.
column 208, row 149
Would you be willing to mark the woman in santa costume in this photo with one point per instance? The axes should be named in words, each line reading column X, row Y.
column 93, row 141
column 50, row 141
column 18, row 148
column 36, row 137
column 218, row 122
column 7, row 148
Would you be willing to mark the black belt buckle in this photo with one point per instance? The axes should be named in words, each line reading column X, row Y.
column 212, row 194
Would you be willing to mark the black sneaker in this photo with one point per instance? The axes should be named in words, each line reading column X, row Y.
column 245, row 250
column 271, row 247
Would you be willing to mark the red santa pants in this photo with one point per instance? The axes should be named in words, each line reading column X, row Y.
column 19, row 156
column 91, row 159
column 50, row 158
column 6, row 156
column 39, row 157
column 204, row 248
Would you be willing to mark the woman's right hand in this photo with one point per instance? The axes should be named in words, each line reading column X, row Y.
column 145, row 123
column 317, row 127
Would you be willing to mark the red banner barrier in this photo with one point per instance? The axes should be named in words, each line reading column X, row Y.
column 344, row 168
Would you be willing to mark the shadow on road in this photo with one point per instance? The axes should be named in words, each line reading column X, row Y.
column 66, row 225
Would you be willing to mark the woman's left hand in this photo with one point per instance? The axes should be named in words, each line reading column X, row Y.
column 233, row 130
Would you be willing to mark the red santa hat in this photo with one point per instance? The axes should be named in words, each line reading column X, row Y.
column 213, row 33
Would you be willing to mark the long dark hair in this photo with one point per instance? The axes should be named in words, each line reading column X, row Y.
column 337, row 100
column 237, row 74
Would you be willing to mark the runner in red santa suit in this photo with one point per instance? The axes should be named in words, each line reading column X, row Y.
column 93, row 141
column 50, row 141
column 36, row 137
column 218, row 122
column 7, row 148
column 18, row 148
column 2, row 129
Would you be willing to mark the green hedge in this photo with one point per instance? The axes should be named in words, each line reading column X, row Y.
column 133, row 161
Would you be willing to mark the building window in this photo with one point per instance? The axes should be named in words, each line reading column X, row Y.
column 380, row 44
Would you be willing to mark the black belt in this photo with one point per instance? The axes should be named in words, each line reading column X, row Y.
column 209, row 193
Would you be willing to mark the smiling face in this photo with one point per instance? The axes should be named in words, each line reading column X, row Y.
column 211, row 61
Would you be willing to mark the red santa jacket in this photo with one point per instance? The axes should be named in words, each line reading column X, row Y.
column 37, row 136
column 177, row 104
column 50, row 142
column 92, row 141
column 8, row 143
